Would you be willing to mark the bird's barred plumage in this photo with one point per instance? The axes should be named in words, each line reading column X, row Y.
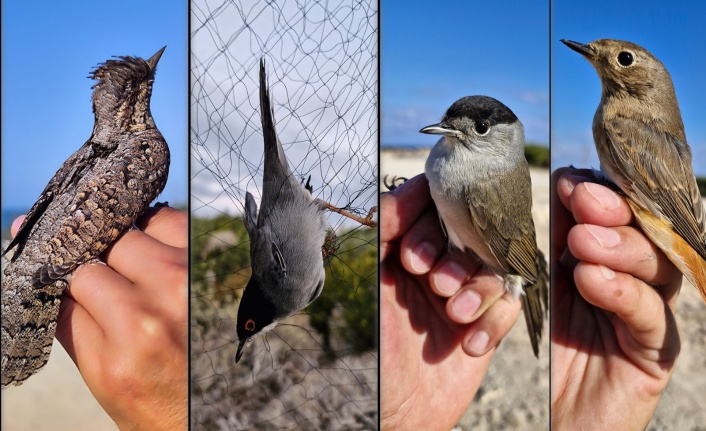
column 97, row 194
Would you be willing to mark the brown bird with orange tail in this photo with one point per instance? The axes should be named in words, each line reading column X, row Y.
column 642, row 147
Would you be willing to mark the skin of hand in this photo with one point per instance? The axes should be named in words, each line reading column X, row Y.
column 441, row 316
column 614, row 339
column 125, row 323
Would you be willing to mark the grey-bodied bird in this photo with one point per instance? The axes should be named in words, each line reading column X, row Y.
column 480, row 182
column 642, row 148
column 285, row 239
column 97, row 194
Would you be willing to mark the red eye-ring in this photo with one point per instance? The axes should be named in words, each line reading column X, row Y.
column 250, row 325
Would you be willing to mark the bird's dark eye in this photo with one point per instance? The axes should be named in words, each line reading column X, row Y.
column 481, row 127
column 625, row 58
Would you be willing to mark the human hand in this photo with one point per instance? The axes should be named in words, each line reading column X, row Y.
column 441, row 316
column 614, row 338
column 125, row 326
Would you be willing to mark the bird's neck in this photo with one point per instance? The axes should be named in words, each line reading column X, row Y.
column 122, row 119
column 666, row 119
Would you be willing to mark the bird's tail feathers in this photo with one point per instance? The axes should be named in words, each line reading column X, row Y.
column 535, row 303
column 28, row 332
column 275, row 161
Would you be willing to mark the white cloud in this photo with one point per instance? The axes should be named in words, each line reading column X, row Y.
column 535, row 97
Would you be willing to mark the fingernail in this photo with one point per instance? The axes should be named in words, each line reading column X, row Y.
column 607, row 198
column 423, row 257
column 606, row 272
column 606, row 237
column 466, row 304
column 449, row 277
column 573, row 180
column 478, row 342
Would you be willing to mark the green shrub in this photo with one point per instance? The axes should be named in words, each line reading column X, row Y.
column 537, row 155
column 345, row 314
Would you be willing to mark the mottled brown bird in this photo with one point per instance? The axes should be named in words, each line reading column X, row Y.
column 642, row 148
column 97, row 194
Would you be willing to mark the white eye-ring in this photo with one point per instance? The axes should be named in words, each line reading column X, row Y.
column 625, row 59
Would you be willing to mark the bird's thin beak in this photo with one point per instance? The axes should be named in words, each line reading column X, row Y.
column 585, row 50
column 439, row 129
column 152, row 61
column 241, row 344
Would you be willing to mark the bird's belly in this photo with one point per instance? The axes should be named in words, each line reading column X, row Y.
column 461, row 230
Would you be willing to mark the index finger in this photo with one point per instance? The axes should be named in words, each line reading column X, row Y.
column 167, row 225
column 597, row 204
column 400, row 208
column 561, row 217
column 16, row 225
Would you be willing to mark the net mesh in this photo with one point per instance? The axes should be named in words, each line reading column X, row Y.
column 317, row 369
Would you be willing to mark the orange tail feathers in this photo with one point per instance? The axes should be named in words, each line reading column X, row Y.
column 682, row 255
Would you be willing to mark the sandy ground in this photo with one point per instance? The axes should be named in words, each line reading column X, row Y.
column 55, row 399
column 515, row 392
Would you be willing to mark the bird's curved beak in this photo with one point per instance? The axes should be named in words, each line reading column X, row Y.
column 585, row 50
column 241, row 344
column 152, row 61
column 439, row 129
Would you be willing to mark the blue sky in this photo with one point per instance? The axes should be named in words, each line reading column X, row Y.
column 321, row 61
column 48, row 50
column 674, row 32
column 433, row 53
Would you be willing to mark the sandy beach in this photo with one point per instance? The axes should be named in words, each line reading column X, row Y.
column 55, row 399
